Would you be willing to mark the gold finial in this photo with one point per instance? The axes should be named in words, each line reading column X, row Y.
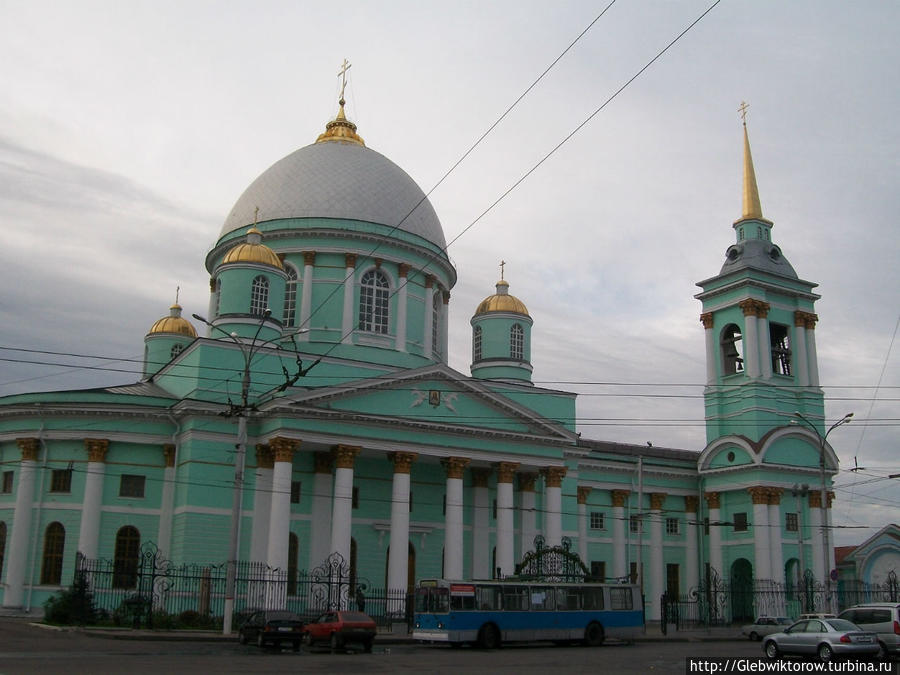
column 345, row 66
column 340, row 128
column 752, row 207
column 502, row 265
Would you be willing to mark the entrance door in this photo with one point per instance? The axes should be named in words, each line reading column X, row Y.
column 742, row 590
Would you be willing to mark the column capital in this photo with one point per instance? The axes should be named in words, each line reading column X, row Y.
column 323, row 462
column 775, row 496
column 713, row 499
column 582, row 493
column 402, row 461
column 169, row 454
column 754, row 307
column 527, row 480
column 283, row 449
column 345, row 455
column 29, row 448
column 805, row 319
column 759, row 494
column 815, row 499
column 830, row 498
column 691, row 502
column 309, row 257
column 264, row 457
column 445, row 296
column 657, row 499
column 506, row 471
column 707, row 319
column 429, row 280
column 349, row 260
column 553, row 475
column 480, row 476
column 455, row 466
column 403, row 270
column 619, row 497
column 212, row 284
column 96, row 449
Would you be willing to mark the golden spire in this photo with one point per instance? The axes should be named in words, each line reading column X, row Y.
column 752, row 207
column 340, row 128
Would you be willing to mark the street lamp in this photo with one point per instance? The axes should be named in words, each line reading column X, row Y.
column 823, row 502
column 247, row 351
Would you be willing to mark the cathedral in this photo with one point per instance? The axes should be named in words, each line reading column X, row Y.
column 310, row 410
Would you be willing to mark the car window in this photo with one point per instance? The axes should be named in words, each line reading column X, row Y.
column 798, row 627
column 784, row 621
column 881, row 615
column 841, row 624
column 815, row 627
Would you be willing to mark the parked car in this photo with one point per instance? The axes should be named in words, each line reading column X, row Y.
column 825, row 638
column 818, row 616
column 881, row 617
column 338, row 629
column 272, row 627
column 765, row 625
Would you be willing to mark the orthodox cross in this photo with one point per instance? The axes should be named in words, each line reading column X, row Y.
column 177, row 290
column 345, row 66
column 502, row 263
column 255, row 215
column 743, row 111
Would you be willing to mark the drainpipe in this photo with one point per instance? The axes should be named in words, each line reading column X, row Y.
column 37, row 522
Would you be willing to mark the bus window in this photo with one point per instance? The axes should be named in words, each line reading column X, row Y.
column 515, row 598
column 440, row 600
column 568, row 597
column 543, row 598
column 593, row 598
column 487, row 597
column 621, row 598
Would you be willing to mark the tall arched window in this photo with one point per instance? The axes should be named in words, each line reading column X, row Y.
column 732, row 361
column 436, row 324
column 476, row 343
column 125, row 563
column 373, row 302
column 259, row 296
column 293, row 555
column 290, row 296
column 516, row 342
column 2, row 546
column 54, row 545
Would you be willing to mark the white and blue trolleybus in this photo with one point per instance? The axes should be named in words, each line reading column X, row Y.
column 489, row 613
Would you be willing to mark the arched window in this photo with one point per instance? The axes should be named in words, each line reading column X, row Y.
column 732, row 361
column 218, row 296
column 516, row 342
column 259, row 296
column 476, row 344
column 436, row 324
column 290, row 296
column 373, row 302
column 2, row 545
column 128, row 552
column 175, row 351
column 293, row 554
column 54, row 545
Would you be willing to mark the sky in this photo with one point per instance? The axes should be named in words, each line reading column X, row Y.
column 129, row 129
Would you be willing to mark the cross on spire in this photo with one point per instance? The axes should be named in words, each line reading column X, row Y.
column 177, row 290
column 502, row 264
column 345, row 66
column 743, row 111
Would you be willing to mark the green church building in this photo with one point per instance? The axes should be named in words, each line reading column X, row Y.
column 313, row 396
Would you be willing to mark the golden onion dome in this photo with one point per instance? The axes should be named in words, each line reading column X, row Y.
column 173, row 324
column 253, row 251
column 341, row 129
column 502, row 301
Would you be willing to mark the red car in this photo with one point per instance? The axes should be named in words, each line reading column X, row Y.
column 338, row 629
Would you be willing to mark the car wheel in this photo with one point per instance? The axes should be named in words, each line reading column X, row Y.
column 242, row 637
column 882, row 653
column 307, row 639
column 367, row 646
column 489, row 637
column 335, row 642
column 593, row 635
column 826, row 653
column 296, row 645
column 771, row 650
column 754, row 636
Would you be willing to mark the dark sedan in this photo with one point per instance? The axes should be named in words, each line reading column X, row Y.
column 272, row 627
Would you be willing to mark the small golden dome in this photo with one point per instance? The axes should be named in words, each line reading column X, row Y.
column 173, row 324
column 253, row 251
column 502, row 301
column 341, row 129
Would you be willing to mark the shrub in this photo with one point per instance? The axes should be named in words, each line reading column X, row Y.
column 75, row 605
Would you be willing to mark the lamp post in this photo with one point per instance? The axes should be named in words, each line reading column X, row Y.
column 823, row 503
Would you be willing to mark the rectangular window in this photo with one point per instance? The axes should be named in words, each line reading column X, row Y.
column 635, row 523
column 356, row 498
column 672, row 586
column 295, row 491
column 61, row 480
column 790, row 522
column 7, row 482
column 672, row 526
column 131, row 486
column 740, row 522
column 781, row 348
column 597, row 520
column 621, row 598
column 598, row 570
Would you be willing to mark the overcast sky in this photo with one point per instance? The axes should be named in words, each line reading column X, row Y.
column 129, row 129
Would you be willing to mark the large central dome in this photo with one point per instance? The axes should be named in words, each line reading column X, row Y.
column 338, row 179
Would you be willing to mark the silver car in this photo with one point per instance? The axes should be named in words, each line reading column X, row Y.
column 765, row 625
column 825, row 638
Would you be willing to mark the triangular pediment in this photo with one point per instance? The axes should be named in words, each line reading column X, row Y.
column 434, row 396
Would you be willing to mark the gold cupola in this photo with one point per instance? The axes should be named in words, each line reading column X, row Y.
column 253, row 251
column 173, row 324
column 502, row 301
column 341, row 129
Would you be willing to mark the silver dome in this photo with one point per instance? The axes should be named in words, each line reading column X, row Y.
column 337, row 180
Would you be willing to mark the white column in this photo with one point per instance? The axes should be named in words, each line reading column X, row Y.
column 320, row 532
column 815, row 535
column 775, row 525
column 712, row 349
column 715, row 532
column 342, row 504
column 582, row 493
column 211, row 311
column 692, row 570
column 167, row 503
column 398, row 559
column 481, row 518
column 453, row 521
column 812, row 357
column 262, row 504
column 17, row 544
column 444, row 331
column 800, row 358
column 527, row 512
column 309, row 261
column 505, row 533
column 429, row 308
column 89, row 533
column 280, row 512
column 762, row 567
column 553, row 503
column 349, row 285
column 765, row 341
column 402, row 299
column 657, row 578
column 620, row 545
column 751, row 341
